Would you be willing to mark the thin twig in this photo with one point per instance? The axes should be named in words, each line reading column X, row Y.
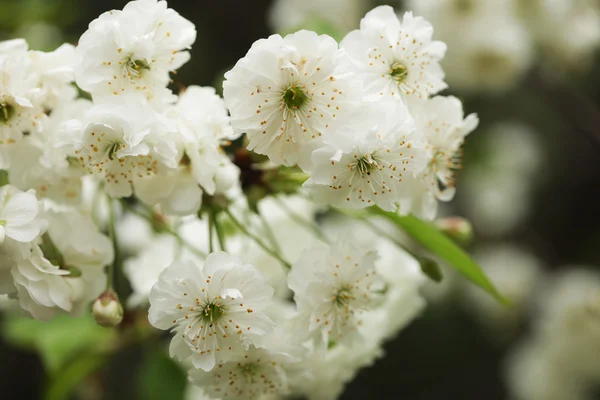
column 110, row 273
column 164, row 229
column 314, row 228
column 258, row 241
column 211, row 223
column 219, row 230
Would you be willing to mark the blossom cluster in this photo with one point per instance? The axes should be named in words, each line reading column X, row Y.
column 223, row 245
column 361, row 119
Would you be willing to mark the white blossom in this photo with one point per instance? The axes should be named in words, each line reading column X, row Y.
column 256, row 373
column 395, row 58
column 55, row 71
column 134, row 50
column 215, row 311
column 286, row 92
column 517, row 274
column 441, row 122
column 143, row 270
column 62, row 270
column 18, row 212
column 20, row 113
column 567, row 30
column 368, row 160
column 333, row 286
column 124, row 141
column 44, row 161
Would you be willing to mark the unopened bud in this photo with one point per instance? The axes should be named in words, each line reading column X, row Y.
column 457, row 228
column 107, row 310
column 226, row 177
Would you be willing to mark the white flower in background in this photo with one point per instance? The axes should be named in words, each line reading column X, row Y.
column 65, row 269
column 215, row 311
column 570, row 318
column 402, row 300
column 497, row 191
column 444, row 14
column 134, row 232
column 491, row 51
column 18, row 212
column 176, row 192
column 333, row 286
column 55, row 72
column 124, row 141
column 368, row 160
column 143, row 270
column 286, row 92
column 532, row 374
column 323, row 376
column 517, row 274
column 250, row 376
column 492, row 54
column 290, row 15
column 567, row 30
column 559, row 359
column 134, row 50
column 395, row 58
column 443, row 126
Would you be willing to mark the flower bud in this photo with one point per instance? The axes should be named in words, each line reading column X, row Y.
column 457, row 228
column 107, row 310
column 226, row 177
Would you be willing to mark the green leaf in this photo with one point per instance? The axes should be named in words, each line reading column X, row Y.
column 432, row 269
column 60, row 340
column 62, row 384
column 160, row 377
column 435, row 241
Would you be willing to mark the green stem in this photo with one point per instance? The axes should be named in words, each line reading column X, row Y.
column 211, row 228
column 164, row 229
column 110, row 274
column 269, row 232
column 258, row 241
column 364, row 217
column 219, row 230
column 314, row 228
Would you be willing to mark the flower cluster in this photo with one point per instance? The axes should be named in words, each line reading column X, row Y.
column 360, row 118
column 218, row 233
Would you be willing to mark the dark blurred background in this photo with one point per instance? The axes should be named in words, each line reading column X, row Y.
column 444, row 354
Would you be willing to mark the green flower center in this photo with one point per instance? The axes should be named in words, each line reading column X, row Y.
column 7, row 111
column 365, row 165
column 294, row 97
column 212, row 313
column 399, row 72
column 135, row 68
column 343, row 296
column 464, row 6
column 112, row 150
